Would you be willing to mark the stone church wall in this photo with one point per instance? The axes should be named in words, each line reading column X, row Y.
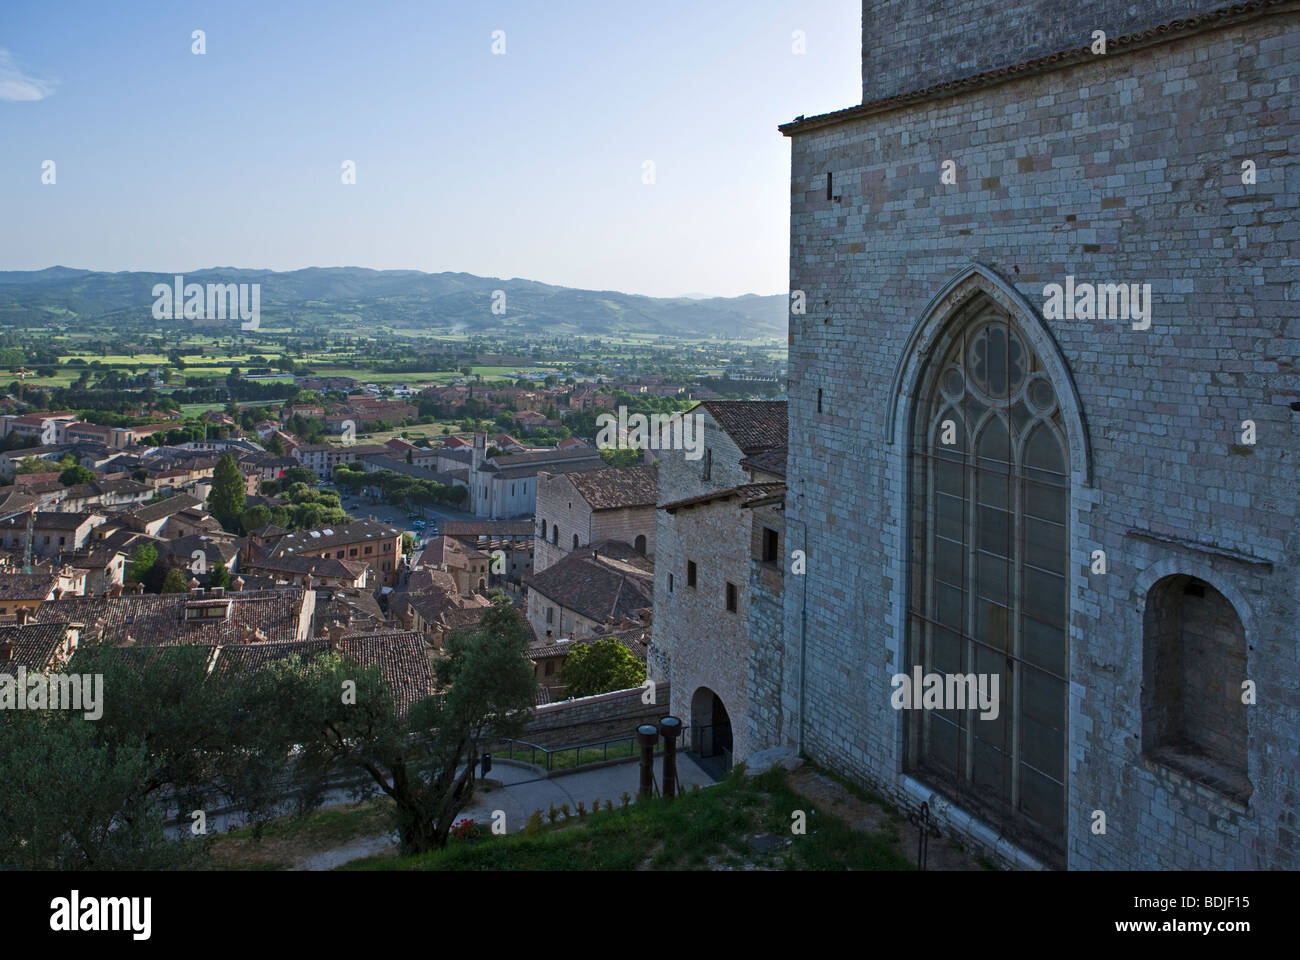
column 1121, row 169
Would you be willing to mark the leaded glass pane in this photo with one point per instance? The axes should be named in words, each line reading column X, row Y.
column 993, row 572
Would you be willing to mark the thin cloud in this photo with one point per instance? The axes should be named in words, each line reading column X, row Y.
column 16, row 85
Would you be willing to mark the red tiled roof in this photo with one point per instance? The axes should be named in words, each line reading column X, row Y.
column 768, row 461
column 619, row 488
column 748, row 493
column 27, row 586
column 400, row 657
column 160, row 619
column 31, row 645
column 594, row 589
column 754, row 425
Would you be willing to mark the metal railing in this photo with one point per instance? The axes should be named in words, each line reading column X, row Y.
column 554, row 759
column 704, row 741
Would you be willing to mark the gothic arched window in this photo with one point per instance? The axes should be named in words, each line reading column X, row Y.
column 989, row 585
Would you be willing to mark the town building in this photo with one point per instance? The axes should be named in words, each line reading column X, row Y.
column 324, row 457
column 506, row 486
column 591, row 591
column 575, row 510
column 378, row 545
column 717, row 518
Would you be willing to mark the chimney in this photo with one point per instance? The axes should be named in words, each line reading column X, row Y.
column 139, row 588
column 336, row 631
column 6, row 651
column 21, row 614
column 218, row 592
column 238, row 584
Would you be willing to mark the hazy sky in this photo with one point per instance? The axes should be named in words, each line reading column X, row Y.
column 528, row 164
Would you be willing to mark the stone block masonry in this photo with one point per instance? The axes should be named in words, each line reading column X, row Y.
column 1120, row 169
column 592, row 719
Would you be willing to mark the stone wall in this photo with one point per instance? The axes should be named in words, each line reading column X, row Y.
column 558, row 503
column 697, row 641
column 560, row 506
column 767, row 646
column 591, row 719
column 1126, row 168
column 912, row 44
column 625, row 524
column 564, row 622
column 709, row 644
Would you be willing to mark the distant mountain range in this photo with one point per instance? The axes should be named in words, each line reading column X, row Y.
column 399, row 298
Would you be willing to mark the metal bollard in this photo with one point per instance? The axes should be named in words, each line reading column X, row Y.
column 648, row 736
column 671, row 728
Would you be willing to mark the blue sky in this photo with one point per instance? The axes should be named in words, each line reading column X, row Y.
column 528, row 164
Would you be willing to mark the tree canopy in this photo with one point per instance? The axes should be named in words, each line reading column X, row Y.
column 226, row 499
column 600, row 667
column 93, row 794
column 424, row 761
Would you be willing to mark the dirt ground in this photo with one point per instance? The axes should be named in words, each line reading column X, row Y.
column 943, row 853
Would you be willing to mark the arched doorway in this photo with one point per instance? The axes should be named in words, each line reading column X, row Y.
column 711, row 740
column 639, row 544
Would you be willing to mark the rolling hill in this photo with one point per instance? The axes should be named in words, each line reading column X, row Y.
column 398, row 298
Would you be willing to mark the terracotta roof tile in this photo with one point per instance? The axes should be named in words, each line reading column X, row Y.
column 754, row 425
column 175, row 618
column 619, row 488
column 748, row 493
column 401, row 658
column 593, row 588
column 32, row 645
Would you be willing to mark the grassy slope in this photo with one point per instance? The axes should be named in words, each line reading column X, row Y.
column 708, row 829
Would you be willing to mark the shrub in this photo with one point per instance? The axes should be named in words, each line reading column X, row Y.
column 582, row 809
column 552, row 814
column 534, row 824
column 626, row 798
column 564, row 809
